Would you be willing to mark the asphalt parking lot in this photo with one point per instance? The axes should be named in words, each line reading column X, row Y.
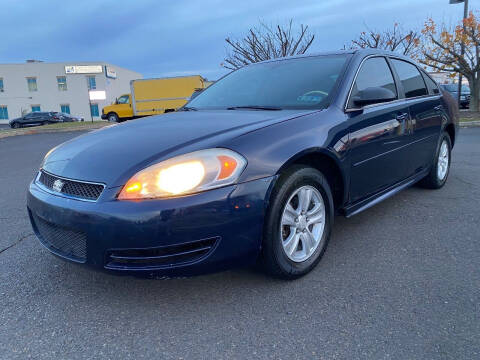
column 398, row 281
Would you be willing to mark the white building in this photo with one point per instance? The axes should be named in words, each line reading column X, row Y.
column 81, row 89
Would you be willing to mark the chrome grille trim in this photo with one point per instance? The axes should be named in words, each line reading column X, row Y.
column 74, row 189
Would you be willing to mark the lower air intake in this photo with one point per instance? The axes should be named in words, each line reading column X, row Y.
column 160, row 257
column 61, row 241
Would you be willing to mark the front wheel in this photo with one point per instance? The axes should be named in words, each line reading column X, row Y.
column 15, row 125
column 112, row 117
column 437, row 177
column 298, row 223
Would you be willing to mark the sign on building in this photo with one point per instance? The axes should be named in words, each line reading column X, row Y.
column 97, row 95
column 83, row 69
column 110, row 72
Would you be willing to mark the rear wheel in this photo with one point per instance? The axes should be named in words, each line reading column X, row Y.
column 437, row 177
column 112, row 117
column 298, row 223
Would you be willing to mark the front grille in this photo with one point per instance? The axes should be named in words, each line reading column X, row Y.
column 60, row 240
column 160, row 257
column 78, row 189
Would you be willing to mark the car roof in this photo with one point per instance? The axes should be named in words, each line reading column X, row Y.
column 357, row 52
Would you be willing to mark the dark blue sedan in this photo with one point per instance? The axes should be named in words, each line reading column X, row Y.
column 253, row 169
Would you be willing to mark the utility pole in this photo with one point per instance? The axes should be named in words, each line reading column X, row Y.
column 462, row 51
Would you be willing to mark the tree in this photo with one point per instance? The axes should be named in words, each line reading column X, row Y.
column 266, row 42
column 443, row 51
column 395, row 39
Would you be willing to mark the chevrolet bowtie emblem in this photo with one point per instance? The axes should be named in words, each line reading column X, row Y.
column 58, row 185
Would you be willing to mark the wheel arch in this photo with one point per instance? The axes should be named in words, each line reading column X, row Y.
column 113, row 113
column 450, row 129
column 329, row 165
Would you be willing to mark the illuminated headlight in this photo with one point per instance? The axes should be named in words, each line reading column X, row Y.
column 185, row 174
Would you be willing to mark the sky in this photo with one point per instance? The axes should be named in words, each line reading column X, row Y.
column 160, row 38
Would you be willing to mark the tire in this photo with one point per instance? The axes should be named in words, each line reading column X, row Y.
column 16, row 125
column 437, row 177
column 112, row 117
column 274, row 256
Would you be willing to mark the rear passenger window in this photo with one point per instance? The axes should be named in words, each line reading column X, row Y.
column 411, row 79
column 374, row 72
column 431, row 85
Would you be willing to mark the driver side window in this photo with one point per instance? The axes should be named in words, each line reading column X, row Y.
column 123, row 99
column 374, row 72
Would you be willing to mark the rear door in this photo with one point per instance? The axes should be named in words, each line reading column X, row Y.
column 40, row 117
column 30, row 119
column 426, row 111
column 378, row 134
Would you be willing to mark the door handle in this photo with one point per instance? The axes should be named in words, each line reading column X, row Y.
column 438, row 108
column 402, row 117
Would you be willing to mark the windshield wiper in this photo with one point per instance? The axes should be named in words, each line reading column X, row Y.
column 254, row 107
column 189, row 108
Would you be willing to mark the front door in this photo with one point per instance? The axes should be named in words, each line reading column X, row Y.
column 124, row 107
column 378, row 134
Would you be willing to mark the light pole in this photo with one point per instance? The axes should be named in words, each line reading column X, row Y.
column 462, row 45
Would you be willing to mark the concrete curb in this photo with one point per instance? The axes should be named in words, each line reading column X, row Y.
column 32, row 131
column 470, row 123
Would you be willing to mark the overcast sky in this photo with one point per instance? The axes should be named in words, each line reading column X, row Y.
column 166, row 38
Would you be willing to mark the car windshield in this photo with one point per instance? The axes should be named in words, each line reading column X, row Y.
column 301, row 83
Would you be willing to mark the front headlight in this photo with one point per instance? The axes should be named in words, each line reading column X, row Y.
column 185, row 174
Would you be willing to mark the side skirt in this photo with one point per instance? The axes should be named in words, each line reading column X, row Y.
column 382, row 195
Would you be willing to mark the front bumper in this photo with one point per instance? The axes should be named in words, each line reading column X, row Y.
column 201, row 233
column 104, row 116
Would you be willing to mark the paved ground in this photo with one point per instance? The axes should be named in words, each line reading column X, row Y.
column 399, row 281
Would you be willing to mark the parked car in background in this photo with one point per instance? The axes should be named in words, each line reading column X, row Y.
column 464, row 96
column 36, row 118
column 64, row 117
column 254, row 168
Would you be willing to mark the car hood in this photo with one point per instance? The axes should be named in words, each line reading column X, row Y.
column 113, row 154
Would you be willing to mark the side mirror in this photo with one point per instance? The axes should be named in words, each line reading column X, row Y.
column 373, row 95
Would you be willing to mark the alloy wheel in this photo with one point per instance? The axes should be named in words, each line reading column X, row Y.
column 443, row 161
column 303, row 223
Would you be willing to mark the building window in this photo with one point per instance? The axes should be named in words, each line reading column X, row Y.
column 32, row 84
column 62, row 83
column 35, row 108
column 91, row 82
column 94, row 109
column 1, row 84
column 65, row 108
column 3, row 112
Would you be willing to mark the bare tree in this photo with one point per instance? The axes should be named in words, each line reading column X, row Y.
column 442, row 51
column 266, row 42
column 394, row 39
